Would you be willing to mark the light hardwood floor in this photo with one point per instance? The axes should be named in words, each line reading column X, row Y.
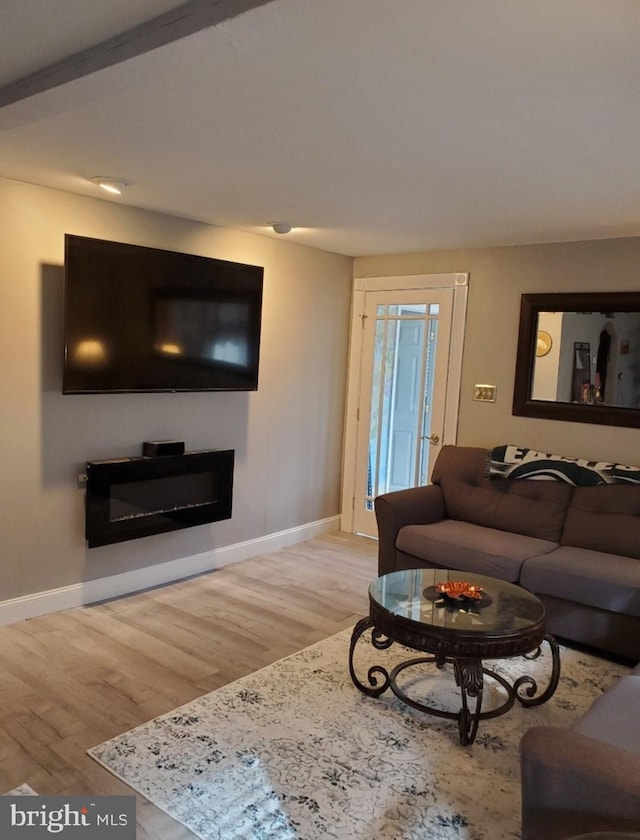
column 73, row 679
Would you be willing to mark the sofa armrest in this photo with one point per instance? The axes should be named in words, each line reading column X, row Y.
column 415, row 506
column 572, row 784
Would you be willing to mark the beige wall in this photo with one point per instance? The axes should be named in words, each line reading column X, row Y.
column 497, row 279
column 287, row 435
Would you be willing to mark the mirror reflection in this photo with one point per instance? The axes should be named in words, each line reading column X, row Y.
column 587, row 358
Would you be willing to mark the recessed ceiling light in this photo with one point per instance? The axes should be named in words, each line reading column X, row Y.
column 115, row 186
column 282, row 227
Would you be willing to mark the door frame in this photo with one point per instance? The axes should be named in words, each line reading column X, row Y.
column 459, row 282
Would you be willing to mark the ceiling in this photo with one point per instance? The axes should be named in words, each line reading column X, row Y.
column 372, row 126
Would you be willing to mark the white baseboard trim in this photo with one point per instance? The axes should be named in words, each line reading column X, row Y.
column 88, row 592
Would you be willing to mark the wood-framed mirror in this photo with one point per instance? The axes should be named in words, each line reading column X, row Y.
column 579, row 358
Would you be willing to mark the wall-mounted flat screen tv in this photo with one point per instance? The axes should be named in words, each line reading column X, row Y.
column 142, row 319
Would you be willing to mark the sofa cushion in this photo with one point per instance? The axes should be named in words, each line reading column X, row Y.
column 518, row 506
column 471, row 548
column 605, row 581
column 604, row 518
column 613, row 717
column 532, row 508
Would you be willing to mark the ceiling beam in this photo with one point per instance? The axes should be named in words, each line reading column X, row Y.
column 184, row 20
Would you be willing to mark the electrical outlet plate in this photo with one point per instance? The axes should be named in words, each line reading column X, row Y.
column 484, row 393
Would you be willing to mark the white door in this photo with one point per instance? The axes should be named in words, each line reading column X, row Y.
column 403, row 377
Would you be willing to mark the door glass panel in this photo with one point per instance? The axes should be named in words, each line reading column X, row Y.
column 401, row 397
column 406, row 310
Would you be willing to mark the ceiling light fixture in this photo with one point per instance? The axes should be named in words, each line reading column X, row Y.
column 282, row 227
column 115, row 186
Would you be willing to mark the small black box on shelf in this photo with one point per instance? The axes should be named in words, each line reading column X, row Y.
column 154, row 448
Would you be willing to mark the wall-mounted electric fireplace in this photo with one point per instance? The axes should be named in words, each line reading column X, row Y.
column 129, row 498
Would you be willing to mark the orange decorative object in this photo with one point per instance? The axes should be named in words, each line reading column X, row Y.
column 459, row 589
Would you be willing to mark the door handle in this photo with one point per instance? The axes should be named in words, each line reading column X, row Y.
column 433, row 439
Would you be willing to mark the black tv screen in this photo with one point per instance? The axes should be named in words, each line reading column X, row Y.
column 144, row 319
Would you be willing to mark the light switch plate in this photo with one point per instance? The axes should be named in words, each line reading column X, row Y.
column 484, row 393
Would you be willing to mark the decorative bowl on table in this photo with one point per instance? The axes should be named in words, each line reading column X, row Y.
column 459, row 590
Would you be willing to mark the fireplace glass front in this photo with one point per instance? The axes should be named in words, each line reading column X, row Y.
column 129, row 498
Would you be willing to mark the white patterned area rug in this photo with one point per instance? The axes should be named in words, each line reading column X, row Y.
column 296, row 751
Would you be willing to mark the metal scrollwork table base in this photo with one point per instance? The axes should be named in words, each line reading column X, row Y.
column 512, row 626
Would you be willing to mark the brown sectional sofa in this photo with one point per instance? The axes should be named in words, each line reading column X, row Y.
column 576, row 548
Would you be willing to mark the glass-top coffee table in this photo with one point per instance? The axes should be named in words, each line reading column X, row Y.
column 502, row 620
